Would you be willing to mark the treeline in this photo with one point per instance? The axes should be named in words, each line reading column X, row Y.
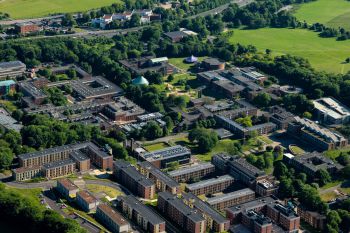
column 297, row 71
column 41, row 132
column 17, row 209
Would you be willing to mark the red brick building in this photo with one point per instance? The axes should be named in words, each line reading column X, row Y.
column 25, row 28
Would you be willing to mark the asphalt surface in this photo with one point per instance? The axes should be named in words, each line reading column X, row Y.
column 111, row 33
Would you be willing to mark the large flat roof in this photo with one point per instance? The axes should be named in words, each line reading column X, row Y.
column 332, row 107
column 159, row 174
column 191, row 169
column 229, row 196
column 204, row 207
column 168, row 152
column 206, row 183
column 11, row 65
column 178, row 204
column 143, row 210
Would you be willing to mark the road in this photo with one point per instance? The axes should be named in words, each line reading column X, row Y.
column 51, row 200
column 240, row 3
column 111, row 33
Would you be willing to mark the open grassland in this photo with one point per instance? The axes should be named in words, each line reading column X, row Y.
column 325, row 54
column 19, row 9
column 335, row 13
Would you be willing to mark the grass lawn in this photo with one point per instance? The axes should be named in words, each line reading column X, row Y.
column 20, row 9
column 156, row 146
column 335, row 13
column 179, row 62
column 111, row 192
column 325, row 54
column 8, row 105
column 30, row 193
column 265, row 139
column 224, row 145
column 297, row 150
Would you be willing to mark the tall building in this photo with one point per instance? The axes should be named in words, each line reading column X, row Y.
column 112, row 219
column 215, row 221
column 176, row 210
column 194, row 172
column 141, row 214
column 223, row 201
column 162, row 181
column 162, row 158
column 128, row 176
column 210, row 186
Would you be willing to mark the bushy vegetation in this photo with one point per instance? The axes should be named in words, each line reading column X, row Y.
column 16, row 208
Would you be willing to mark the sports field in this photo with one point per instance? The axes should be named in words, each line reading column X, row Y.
column 335, row 13
column 20, row 9
column 323, row 53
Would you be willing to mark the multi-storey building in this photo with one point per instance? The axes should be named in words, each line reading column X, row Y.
column 25, row 28
column 123, row 110
column 280, row 117
column 274, row 210
column 257, row 222
column 26, row 173
column 7, row 86
column 284, row 216
column 215, row 221
column 113, row 220
column 223, row 201
column 239, row 168
column 162, row 181
column 266, row 187
column 81, row 160
column 128, row 176
column 310, row 163
column 162, row 158
column 194, row 172
column 67, row 188
column 57, row 161
column 332, row 112
column 210, row 186
column 58, row 168
column 242, row 131
column 141, row 214
column 98, row 156
column 12, row 69
column 184, row 216
column 310, row 132
column 315, row 219
column 87, row 201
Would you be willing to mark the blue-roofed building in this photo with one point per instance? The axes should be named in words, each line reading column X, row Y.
column 140, row 81
column 7, row 86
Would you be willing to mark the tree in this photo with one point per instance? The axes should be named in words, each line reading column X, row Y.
column 205, row 138
column 262, row 100
column 68, row 20
column 285, row 189
column 152, row 130
column 323, row 177
column 6, row 157
column 245, row 121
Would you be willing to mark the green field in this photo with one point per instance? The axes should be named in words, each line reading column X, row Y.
column 325, row 54
column 335, row 13
column 19, row 9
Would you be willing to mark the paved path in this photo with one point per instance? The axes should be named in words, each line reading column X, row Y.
column 111, row 33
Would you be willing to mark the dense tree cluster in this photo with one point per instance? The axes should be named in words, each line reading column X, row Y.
column 16, row 208
column 293, row 185
column 206, row 139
